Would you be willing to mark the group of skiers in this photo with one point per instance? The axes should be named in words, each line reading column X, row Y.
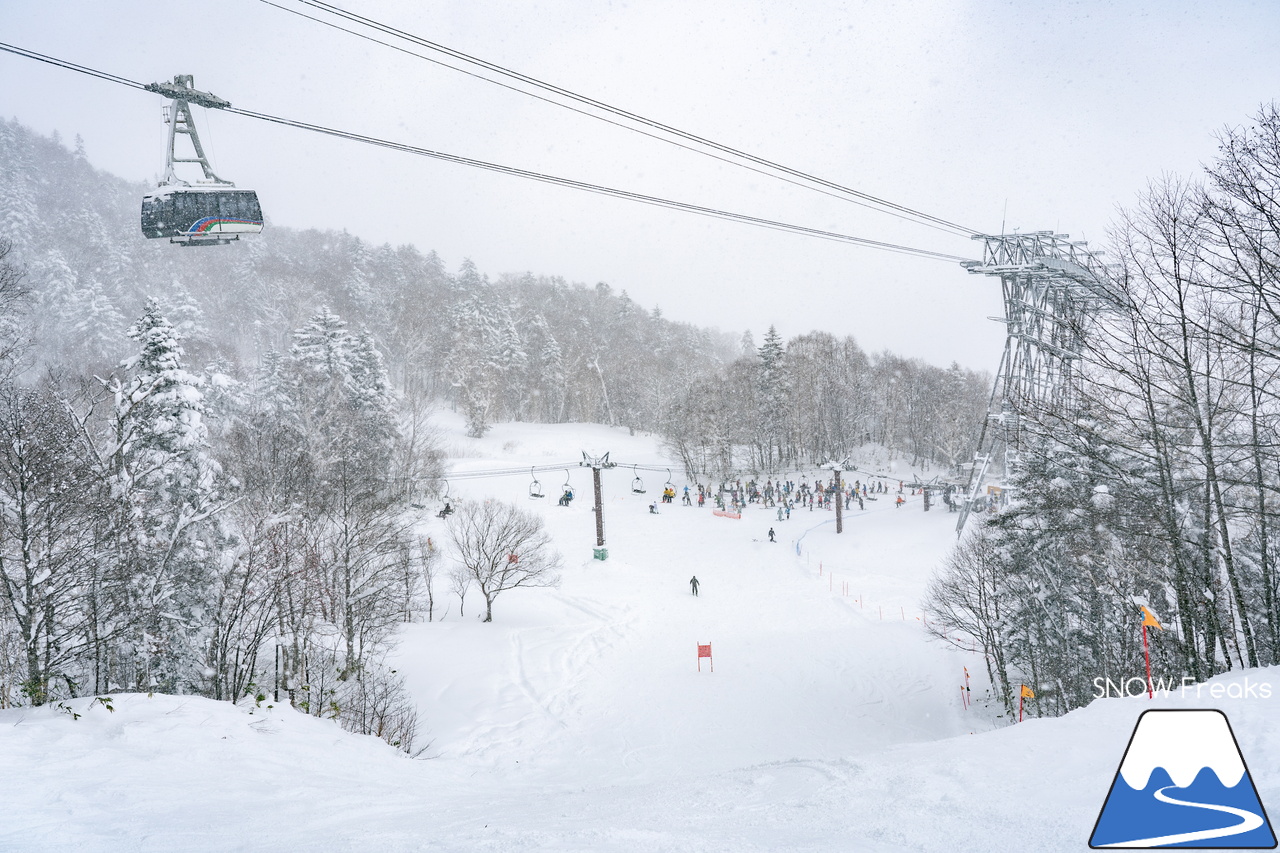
column 784, row 495
column 787, row 495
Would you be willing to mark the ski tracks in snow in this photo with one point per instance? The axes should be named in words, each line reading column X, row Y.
column 561, row 660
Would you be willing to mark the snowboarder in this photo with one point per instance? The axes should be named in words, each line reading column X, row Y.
column 771, row 539
column 693, row 584
column 653, row 508
column 899, row 502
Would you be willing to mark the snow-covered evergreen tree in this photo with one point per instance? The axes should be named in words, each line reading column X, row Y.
column 157, row 468
column 771, row 400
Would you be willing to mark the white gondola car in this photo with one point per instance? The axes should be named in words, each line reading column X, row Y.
column 201, row 215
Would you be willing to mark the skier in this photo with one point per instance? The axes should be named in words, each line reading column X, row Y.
column 653, row 508
column 771, row 539
column 788, row 512
column 779, row 513
column 693, row 584
column 899, row 502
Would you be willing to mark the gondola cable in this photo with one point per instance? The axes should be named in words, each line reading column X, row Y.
column 905, row 214
column 605, row 190
column 883, row 204
column 523, row 173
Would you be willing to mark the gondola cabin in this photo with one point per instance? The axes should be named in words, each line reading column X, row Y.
column 200, row 215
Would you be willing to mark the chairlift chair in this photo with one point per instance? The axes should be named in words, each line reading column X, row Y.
column 535, row 488
column 446, row 508
column 566, row 491
column 637, row 485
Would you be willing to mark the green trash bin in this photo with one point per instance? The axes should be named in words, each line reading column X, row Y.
column 601, row 553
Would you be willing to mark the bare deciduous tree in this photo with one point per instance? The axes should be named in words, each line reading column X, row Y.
column 500, row 547
column 427, row 556
column 460, row 583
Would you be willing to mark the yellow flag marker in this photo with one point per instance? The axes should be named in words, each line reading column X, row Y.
column 1149, row 619
column 1027, row 693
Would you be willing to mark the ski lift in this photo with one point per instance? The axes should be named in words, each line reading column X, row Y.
column 566, row 491
column 670, row 485
column 535, row 488
column 447, row 509
column 637, row 485
column 215, row 211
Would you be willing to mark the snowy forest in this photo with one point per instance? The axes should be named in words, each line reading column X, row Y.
column 213, row 461
column 1159, row 486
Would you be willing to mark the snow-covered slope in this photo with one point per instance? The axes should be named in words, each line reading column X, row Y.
column 578, row 719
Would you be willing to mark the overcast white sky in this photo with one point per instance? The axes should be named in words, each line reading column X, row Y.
column 1061, row 111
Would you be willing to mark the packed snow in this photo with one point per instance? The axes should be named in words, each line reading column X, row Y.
column 578, row 720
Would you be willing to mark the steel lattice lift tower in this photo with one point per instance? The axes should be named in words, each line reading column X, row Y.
column 1053, row 289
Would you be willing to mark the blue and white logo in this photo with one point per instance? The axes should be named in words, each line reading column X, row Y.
column 1183, row 783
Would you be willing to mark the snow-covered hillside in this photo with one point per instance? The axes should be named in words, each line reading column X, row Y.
column 578, row 719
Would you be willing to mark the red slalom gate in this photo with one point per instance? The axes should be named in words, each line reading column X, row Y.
column 705, row 652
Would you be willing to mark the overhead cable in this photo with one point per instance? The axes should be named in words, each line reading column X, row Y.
column 848, row 193
column 842, row 196
column 62, row 63
column 525, row 173
column 604, row 190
